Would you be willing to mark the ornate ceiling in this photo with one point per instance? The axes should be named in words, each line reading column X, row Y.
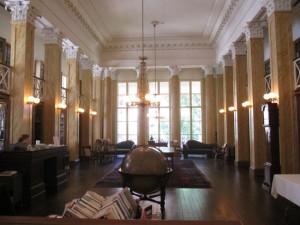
column 190, row 33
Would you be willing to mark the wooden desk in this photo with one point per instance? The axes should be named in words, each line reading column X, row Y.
column 43, row 171
column 287, row 186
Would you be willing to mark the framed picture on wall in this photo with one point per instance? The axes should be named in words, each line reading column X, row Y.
column 2, row 50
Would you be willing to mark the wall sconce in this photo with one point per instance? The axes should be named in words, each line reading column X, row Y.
column 80, row 110
column 246, row 104
column 32, row 100
column 222, row 111
column 270, row 97
column 61, row 106
column 231, row 109
column 93, row 113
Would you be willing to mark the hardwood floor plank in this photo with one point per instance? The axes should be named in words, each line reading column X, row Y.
column 235, row 195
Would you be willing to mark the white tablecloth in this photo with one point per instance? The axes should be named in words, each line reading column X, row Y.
column 287, row 186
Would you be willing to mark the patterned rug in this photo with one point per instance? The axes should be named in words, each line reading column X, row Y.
column 185, row 175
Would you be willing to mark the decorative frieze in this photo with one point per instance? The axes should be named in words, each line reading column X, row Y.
column 255, row 29
column 21, row 10
column 277, row 5
column 227, row 60
column 71, row 52
column 238, row 48
column 52, row 36
column 174, row 70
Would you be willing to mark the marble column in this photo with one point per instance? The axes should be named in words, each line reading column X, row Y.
column 228, row 99
column 282, row 80
column 210, row 102
column 22, row 61
column 256, row 89
column 174, row 87
column 73, row 101
column 86, row 101
column 52, row 86
column 98, row 92
column 219, row 105
column 240, row 94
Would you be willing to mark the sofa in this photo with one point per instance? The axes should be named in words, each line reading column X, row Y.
column 197, row 147
column 123, row 147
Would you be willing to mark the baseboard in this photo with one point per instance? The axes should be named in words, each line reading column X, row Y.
column 242, row 164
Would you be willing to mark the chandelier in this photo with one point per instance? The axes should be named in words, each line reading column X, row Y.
column 143, row 97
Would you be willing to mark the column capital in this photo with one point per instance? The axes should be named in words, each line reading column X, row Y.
column 255, row 29
column 86, row 63
column 174, row 70
column 97, row 71
column 21, row 10
column 227, row 60
column 52, row 35
column 208, row 69
column 219, row 69
column 238, row 48
column 277, row 5
column 110, row 72
column 71, row 52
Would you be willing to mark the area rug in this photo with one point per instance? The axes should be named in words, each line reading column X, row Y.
column 185, row 175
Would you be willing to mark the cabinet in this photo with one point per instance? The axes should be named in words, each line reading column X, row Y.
column 14, row 185
column 272, row 159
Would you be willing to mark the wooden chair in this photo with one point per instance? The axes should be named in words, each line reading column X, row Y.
column 221, row 151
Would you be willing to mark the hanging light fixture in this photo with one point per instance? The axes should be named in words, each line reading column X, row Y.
column 143, row 98
column 156, row 97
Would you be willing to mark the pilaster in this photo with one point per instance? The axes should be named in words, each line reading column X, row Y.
column 98, row 96
column 281, row 63
column 73, row 101
column 210, row 102
column 174, row 87
column 256, row 89
column 219, row 105
column 52, row 93
column 241, row 117
column 107, row 114
column 228, row 99
column 86, row 101
column 22, row 61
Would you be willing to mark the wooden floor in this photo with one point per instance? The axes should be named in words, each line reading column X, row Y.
column 235, row 195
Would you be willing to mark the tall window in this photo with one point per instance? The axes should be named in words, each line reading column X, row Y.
column 126, row 116
column 159, row 126
column 190, row 107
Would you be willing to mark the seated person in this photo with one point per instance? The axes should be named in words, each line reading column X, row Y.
column 22, row 143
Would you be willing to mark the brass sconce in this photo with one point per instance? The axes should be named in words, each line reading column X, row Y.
column 61, row 106
column 246, row 104
column 93, row 113
column 231, row 109
column 80, row 110
column 32, row 100
column 270, row 97
column 222, row 111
